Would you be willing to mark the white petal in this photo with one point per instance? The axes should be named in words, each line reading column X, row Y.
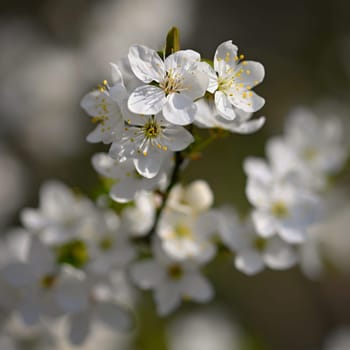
column 225, row 54
column 147, row 99
column 114, row 316
column 80, row 326
column 258, row 168
column 33, row 220
column 181, row 59
column 150, row 164
column 106, row 165
column 248, row 127
column 88, row 103
column 197, row 287
column 279, row 255
column 176, row 138
column 258, row 193
column 40, row 257
column 167, row 298
column 18, row 274
column 29, row 312
column 252, row 74
column 146, row 63
column 71, row 293
column 250, row 262
column 264, row 223
column 146, row 274
column 125, row 190
column 248, row 101
column 179, row 109
column 119, row 94
column 213, row 79
column 117, row 77
column 224, row 106
column 292, row 234
column 194, row 83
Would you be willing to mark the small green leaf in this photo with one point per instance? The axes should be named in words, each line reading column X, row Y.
column 172, row 41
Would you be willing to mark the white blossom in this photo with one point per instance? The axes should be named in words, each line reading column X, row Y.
column 149, row 141
column 103, row 105
column 232, row 79
column 179, row 80
column 138, row 220
column 127, row 181
column 282, row 205
column 252, row 252
column 207, row 116
column 187, row 236
column 170, row 280
column 195, row 198
column 60, row 215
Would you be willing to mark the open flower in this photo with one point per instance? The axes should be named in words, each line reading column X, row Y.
column 282, row 205
column 128, row 182
column 103, row 105
column 252, row 252
column 173, row 84
column 232, row 81
column 171, row 280
column 207, row 116
column 149, row 141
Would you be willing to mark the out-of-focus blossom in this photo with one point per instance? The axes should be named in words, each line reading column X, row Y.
column 209, row 329
column 252, row 252
column 338, row 340
column 171, row 280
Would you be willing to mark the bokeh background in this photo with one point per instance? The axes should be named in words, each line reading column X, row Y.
column 53, row 52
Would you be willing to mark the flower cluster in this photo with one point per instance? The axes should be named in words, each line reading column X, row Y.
column 74, row 257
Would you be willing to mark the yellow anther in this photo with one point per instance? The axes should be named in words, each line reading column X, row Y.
column 165, row 148
column 241, row 57
column 145, row 153
column 105, row 82
column 247, row 71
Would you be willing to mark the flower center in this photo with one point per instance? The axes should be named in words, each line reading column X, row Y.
column 175, row 271
column 152, row 129
column 48, row 281
column 74, row 253
column 171, row 83
column 259, row 243
column 183, row 231
column 309, row 153
column 279, row 209
column 106, row 243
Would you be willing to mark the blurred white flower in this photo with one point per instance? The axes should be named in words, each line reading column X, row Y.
column 128, row 182
column 31, row 281
column 187, row 236
column 209, row 329
column 60, row 215
column 195, row 197
column 137, row 220
column 103, row 105
column 338, row 340
column 282, row 205
column 252, row 252
column 13, row 185
column 171, row 280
